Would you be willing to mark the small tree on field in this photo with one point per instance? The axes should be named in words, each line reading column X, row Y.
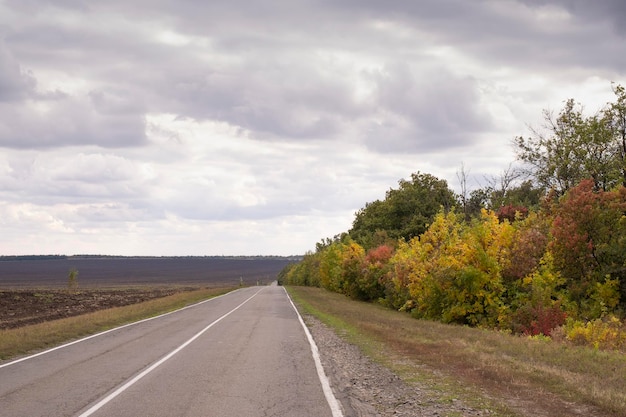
column 72, row 279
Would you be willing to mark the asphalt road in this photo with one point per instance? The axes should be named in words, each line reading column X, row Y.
column 242, row 354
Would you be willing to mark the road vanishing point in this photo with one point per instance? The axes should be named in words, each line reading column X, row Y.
column 246, row 353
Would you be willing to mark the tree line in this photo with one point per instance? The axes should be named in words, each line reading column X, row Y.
column 539, row 249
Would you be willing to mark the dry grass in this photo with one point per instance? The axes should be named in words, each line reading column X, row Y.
column 35, row 337
column 523, row 375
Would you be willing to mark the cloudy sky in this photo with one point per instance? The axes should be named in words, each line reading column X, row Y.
column 194, row 127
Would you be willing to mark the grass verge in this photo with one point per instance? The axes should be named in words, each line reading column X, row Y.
column 511, row 375
column 22, row 340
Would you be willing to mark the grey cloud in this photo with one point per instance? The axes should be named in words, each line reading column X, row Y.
column 425, row 112
column 273, row 99
column 255, row 71
column 489, row 32
column 277, row 101
column 116, row 102
column 62, row 178
column 15, row 83
column 608, row 10
column 34, row 5
column 68, row 121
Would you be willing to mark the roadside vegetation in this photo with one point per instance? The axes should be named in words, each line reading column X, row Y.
column 540, row 251
column 27, row 339
column 509, row 375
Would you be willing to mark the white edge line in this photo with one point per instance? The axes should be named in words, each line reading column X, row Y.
column 335, row 407
column 155, row 365
column 109, row 331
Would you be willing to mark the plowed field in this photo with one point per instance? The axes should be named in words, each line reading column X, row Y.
column 32, row 291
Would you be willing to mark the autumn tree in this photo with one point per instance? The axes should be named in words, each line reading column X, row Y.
column 536, row 305
column 456, row 277
column 396, row 281
column 330, row 267
column 305, row 272
column 352, row 257
column 529, row 244
column 589, row 244
column 479, row 199
column 375, row 269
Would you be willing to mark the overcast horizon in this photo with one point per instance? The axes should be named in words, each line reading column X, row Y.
column 184, row 128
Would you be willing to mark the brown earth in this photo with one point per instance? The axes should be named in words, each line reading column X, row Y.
column 35, row 290
column 23, row 307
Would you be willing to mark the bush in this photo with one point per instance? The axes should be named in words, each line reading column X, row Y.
column 606, row 334
column 537, row 320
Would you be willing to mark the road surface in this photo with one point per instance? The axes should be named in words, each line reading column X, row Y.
column 242, row 354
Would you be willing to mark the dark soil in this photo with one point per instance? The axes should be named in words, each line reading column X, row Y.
column 23, row 307
column 134, row 271
column 35, row 289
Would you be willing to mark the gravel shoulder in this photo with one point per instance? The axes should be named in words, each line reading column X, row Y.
column 367, row 389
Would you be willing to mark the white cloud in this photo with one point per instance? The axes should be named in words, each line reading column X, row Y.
column 193, row 127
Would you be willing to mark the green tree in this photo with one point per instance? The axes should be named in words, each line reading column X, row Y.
column 575, row 147
column 406, row 211
column 478, row 200
column 615, row 117
column 369, row 221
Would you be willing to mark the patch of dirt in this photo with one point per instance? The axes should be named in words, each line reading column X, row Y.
column 23, row 307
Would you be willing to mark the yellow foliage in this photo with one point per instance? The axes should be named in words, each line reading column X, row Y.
column 455, row 273
column 605, row 334
column 607, row 294
column 543, row 283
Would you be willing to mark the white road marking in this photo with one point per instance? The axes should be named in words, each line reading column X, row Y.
column 109, row 331
column 131, row 382
column 335, row 407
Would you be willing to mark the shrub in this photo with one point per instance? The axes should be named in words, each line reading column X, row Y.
column 72, row 279
column 606, row 334
column 375, row 267
column 537, row 320
column 511, row 213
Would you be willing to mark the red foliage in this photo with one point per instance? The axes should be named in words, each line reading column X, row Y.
column 511, row 213
column 528, row 248
column 585, row 220
column 379, row 256
column 534, row 320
